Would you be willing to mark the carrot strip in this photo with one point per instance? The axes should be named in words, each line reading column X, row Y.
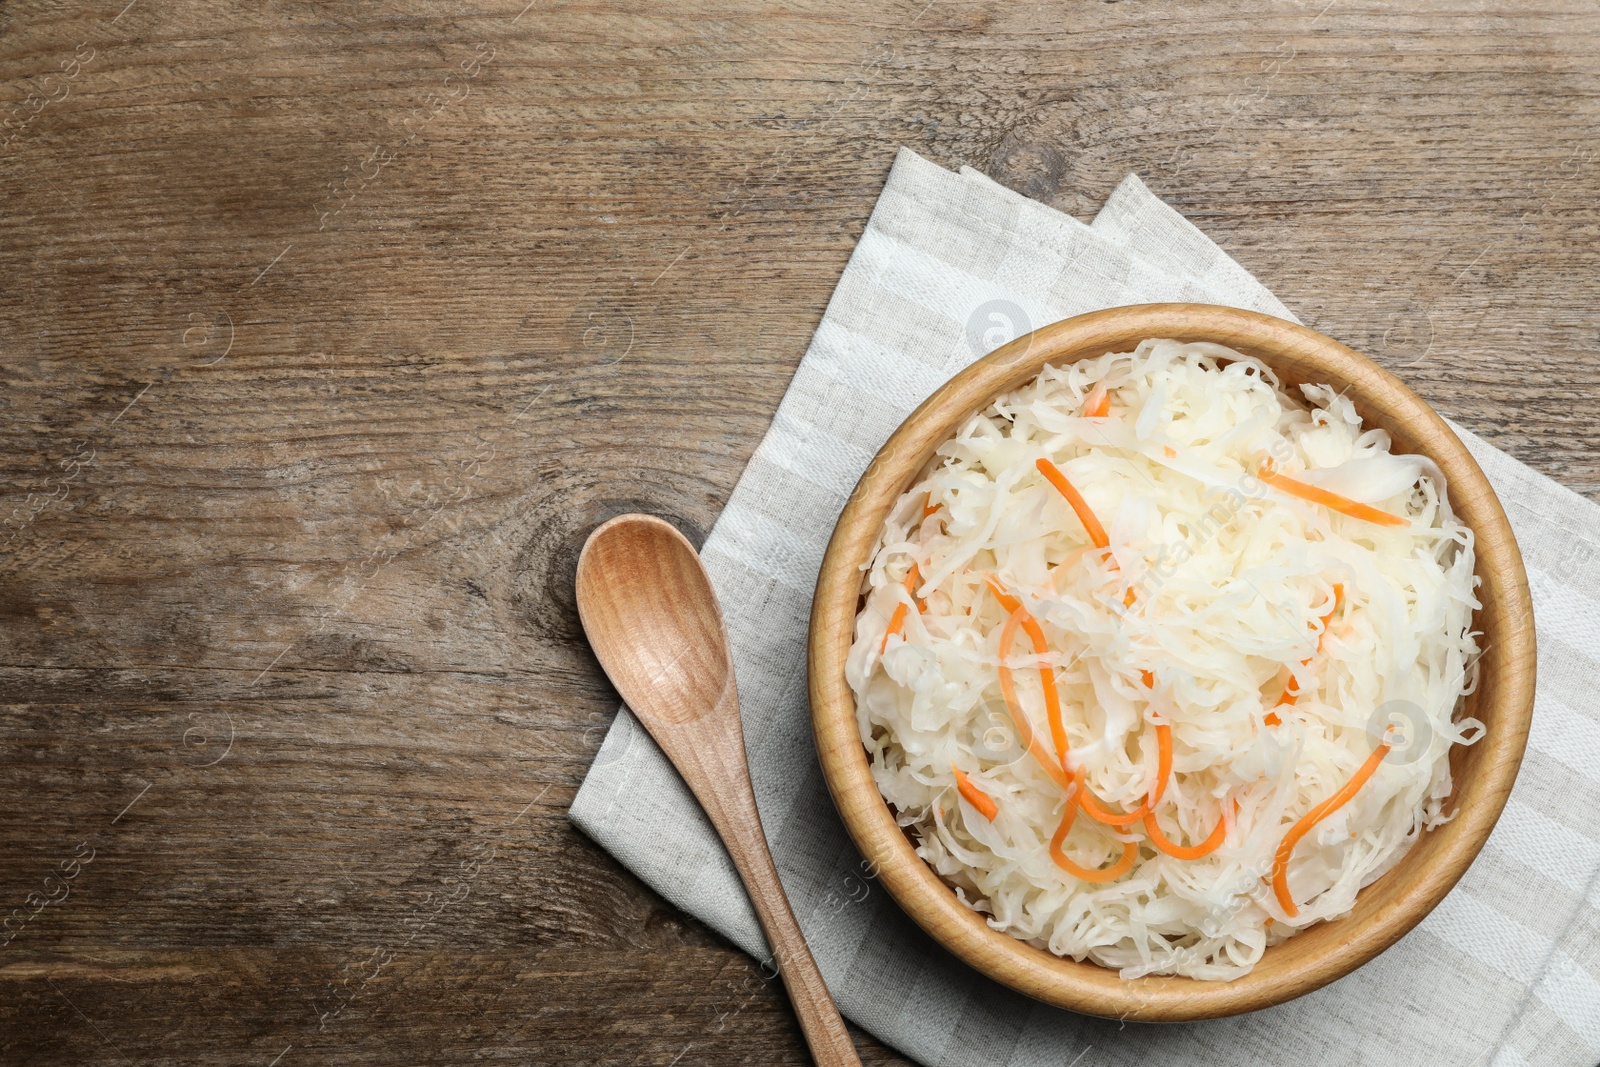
column 1102, row 814
column 1007, row 601
column 1019, row 718
column 1280, row 863
column 1318, row 495
column 1188, row 852
column 1130, row 852
column 897, row 622
column 1163, row 762
column 913, row 577
column 1047, row 676
column 1052, row 473
column 1097, row 405
column 928, row 506
column 897, row 618
column 1052, row 699
column 975, row 796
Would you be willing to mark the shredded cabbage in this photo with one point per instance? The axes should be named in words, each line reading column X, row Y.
column 1230, row 582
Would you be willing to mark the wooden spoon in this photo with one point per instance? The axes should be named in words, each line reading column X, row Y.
column 652, row 617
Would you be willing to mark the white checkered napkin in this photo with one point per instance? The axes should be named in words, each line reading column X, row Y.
column 1506, row 971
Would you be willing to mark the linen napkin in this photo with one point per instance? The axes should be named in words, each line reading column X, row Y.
column 1506, row 971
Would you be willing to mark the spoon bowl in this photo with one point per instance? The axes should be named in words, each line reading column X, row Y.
column 669, row 658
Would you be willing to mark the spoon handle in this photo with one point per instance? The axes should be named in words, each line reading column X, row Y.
column 719, row 777
column 819, row 1017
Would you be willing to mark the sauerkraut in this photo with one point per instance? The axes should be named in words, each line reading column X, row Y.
column 1252, row 610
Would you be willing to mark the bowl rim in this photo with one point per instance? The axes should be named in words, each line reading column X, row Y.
column 1385, row 910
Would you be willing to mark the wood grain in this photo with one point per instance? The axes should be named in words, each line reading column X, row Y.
column 331, row 528
column 652, row 618
column 1386, row 910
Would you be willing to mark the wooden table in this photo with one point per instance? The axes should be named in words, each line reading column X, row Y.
column 330, row 330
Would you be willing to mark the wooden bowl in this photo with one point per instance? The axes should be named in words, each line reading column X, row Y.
column 1385, row 910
